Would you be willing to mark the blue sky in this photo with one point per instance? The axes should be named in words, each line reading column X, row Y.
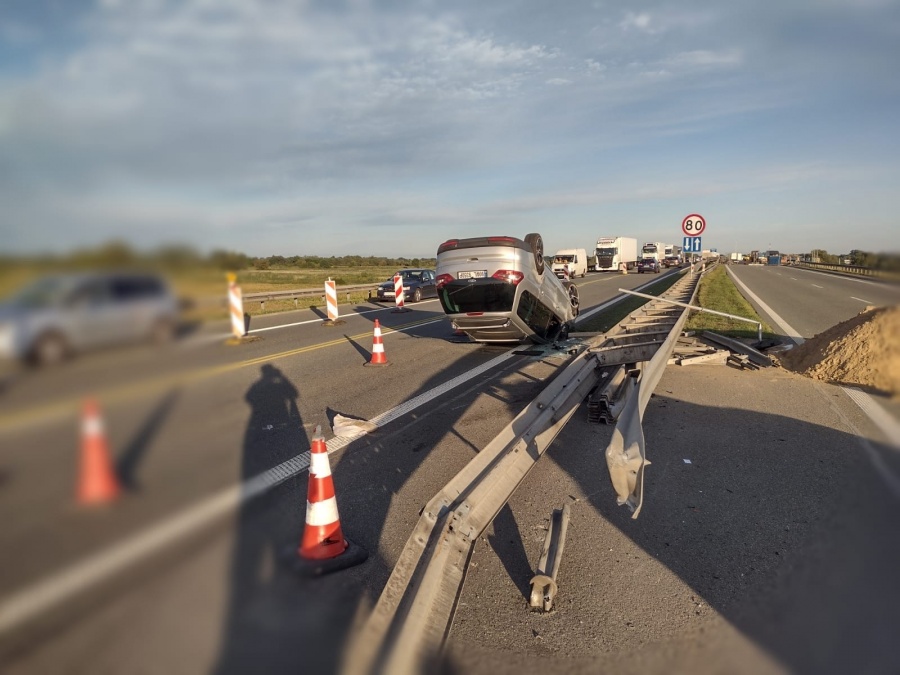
column 334, row 128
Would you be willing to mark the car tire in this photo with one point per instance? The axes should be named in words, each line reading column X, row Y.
column 536, row 243
column 163, row 332
column 573, row 299
column 50, row 349
column 417, row 295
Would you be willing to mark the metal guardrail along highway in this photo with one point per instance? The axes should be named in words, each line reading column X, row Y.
column 410, row 622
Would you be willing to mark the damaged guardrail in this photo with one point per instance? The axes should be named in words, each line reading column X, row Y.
column 412, row 618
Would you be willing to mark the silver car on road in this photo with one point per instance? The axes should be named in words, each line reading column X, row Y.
column 496, row 289
column 66, row 313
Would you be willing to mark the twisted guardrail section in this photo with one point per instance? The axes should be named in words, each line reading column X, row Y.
column 411, row 620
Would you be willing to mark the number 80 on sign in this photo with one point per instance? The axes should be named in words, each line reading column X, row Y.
column 693, row 225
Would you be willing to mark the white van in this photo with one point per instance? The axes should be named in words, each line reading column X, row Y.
column 575, row 258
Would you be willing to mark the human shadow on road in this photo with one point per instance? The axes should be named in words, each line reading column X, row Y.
column 275, row 622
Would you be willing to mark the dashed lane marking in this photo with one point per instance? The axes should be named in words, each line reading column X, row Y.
column 868, row 302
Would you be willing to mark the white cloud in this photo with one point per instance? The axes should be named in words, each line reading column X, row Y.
column 558, row 81
column 641, row 22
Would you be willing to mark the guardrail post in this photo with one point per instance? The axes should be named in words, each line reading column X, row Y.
column 543, row 584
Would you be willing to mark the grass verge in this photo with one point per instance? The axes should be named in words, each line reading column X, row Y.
column 603, row 321
column 718, row 292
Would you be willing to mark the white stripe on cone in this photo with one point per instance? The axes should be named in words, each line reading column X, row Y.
column 92, row 426
column 319, row 514
column 319, row 466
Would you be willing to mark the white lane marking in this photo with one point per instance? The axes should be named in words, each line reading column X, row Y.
column 888, row 476
column 868, row 302
column 845, row 278
column 788, row 330
column 874, row 412
column 618, row 298
column 889, row 426
column 817, row 286
column 79, row 577
column 317, row 320
column 793, row 278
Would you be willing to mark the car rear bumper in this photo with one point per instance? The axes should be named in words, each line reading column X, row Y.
column 491, row 328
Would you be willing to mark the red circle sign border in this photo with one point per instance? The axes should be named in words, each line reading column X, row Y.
column 693, row 234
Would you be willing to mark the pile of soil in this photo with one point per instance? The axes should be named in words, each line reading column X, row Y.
column 864, row 350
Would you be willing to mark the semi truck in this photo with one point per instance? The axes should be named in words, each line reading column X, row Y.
column 673, row 256
column 655, row 250
column 614, row 251
column 575, row 258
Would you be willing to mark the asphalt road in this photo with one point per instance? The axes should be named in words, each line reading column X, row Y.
column 726, row 564
column 810, row 301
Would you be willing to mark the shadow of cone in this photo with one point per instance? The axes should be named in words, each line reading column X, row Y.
column 378, row 356
column 97, row 483
column 323, row 547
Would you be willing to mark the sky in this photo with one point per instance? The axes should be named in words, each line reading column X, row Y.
column 358, row 128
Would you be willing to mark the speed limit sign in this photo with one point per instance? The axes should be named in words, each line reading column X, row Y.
column 693, row 225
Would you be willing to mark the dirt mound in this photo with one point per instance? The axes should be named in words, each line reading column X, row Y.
column 864, row 350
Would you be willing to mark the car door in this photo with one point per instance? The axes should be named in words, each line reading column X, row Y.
column 429, row 286
column 89, row 314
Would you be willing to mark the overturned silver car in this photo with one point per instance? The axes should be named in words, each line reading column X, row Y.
column 496, row 290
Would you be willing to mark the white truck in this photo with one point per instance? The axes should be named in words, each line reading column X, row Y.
column 575, row 258
column 613, row 251
column 655, row 250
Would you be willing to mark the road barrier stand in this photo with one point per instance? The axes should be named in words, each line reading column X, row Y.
column 97, row 482
column 378, row 356
column 236, row 307
column 398, row 295
column 331, row 304
column 323, row 547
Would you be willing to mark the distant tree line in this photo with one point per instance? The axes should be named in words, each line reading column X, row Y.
column 117, row 254
column 875, row 261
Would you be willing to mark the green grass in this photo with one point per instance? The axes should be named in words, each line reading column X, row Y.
column 604, row 321
column 718, row 292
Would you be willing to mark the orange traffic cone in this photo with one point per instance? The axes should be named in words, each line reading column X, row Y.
column 378, row 356
column 98, row 483
column 323, row 547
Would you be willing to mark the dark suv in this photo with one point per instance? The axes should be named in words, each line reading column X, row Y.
column 648, row 265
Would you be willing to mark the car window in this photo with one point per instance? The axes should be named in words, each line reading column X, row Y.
column 133, row 289
column 45, row 292
column 91, row 293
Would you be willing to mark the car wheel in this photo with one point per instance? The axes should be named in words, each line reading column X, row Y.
column 573, row 299
column 537, row 249
column 50, row 349
column 417, row 295
column 163, row 332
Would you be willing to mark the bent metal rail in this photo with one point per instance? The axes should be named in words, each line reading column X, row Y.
column 409, row 624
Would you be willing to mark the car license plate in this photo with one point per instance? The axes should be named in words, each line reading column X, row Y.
column 472, row 274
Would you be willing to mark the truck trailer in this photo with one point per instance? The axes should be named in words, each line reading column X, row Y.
column 655, row 250
column 614, row 251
